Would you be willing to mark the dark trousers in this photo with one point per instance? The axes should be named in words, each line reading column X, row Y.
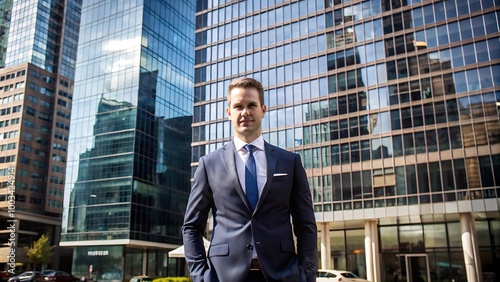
column 255, row 276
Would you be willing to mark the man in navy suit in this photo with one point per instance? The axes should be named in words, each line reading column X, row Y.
column 259, row 197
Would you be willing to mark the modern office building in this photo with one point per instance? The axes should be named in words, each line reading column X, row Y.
column 394, row 109
column 38, row 41
column 128, row 172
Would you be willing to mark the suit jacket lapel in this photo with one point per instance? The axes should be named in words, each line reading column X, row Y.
column 227, row 158
column 271, row 168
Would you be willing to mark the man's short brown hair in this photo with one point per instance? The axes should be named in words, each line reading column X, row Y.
column 246, row 82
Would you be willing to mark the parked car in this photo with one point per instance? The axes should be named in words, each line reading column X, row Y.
column 327, row 275
column 5, row 275
column 59, row 276
column 47, row 271
column 28, row 276
column 141, row 278
column 110, row 275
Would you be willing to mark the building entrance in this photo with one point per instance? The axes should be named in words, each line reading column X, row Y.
column 413, row 268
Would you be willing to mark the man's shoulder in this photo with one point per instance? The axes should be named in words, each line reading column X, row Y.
column 217, row 152
column 280, row 150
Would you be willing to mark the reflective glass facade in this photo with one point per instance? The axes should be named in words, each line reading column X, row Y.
column 36, row 87
column 128, row 174
column 35, row 32
column 392, row 105
column 5, row 15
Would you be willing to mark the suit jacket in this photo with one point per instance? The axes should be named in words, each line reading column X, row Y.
column 285, row 199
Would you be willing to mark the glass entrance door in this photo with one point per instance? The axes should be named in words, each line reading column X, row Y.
column 414, row 268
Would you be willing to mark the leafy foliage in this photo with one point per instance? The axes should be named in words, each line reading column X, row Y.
column 40, row 252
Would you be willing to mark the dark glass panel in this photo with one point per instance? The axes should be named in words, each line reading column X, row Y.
column 341, row 81
column 398, row 21
column 356, row 185
column 455, row 137
column 411, row 179
column 444, row 142
column 460, row 174
column 408, row 144
column 335, row 155
column 397, row 144
column 344, row 128
column 367, row 184
column 332, row 84
column 429, row 114
column 486, row 172
column 496, row 171
column 395, row 120
column 435, row 177
column 417, row 116
column 365, row 150
column 346, row 186
column 340, row 59
column 353, row 127
column 451, row 108
column 431, row 140
column 387, row 20
column 447, row 175
column 389, row 47
column 331, row 61
column 413, row 65
column 342, row 105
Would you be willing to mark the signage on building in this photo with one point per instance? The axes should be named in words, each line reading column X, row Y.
column 97, row 253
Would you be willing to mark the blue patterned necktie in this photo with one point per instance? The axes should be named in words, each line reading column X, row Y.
column 251, row 178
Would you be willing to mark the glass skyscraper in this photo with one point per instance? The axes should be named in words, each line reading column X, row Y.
column 38, row 41
column 128, row 172
column 394, row 109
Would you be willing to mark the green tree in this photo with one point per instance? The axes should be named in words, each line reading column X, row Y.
column 40, row 252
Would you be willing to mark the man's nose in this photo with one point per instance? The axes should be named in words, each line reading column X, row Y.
column 245, row 111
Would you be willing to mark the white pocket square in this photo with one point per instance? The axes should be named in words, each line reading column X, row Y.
column 280, row 174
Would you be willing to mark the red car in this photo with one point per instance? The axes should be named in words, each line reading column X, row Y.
column 4, row 275
column 59, row 276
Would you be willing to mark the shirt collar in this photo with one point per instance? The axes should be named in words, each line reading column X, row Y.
column 259, row 143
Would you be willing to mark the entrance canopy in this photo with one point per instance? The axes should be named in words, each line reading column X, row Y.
column 179, row 252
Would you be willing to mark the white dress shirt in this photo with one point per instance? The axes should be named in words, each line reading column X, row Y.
column 260, row 161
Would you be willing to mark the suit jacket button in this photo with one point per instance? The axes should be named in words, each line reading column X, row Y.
column 250, row 246
column 253, row 219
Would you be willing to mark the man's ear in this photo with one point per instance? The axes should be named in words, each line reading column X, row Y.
column 228, row 112
column 264, row 110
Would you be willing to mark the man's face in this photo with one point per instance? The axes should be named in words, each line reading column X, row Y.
column 246, row 113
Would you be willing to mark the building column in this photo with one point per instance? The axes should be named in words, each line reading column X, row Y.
column 368, row 250
column 470, row 248
column 376, row 252
column 326, row 259
column 372, row 251
column 56, row 238
column 145, row 262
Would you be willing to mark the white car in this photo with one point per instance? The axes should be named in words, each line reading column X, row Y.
column 327, row 275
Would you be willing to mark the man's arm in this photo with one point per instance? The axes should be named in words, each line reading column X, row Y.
column 195, row 219
column 304, row 222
